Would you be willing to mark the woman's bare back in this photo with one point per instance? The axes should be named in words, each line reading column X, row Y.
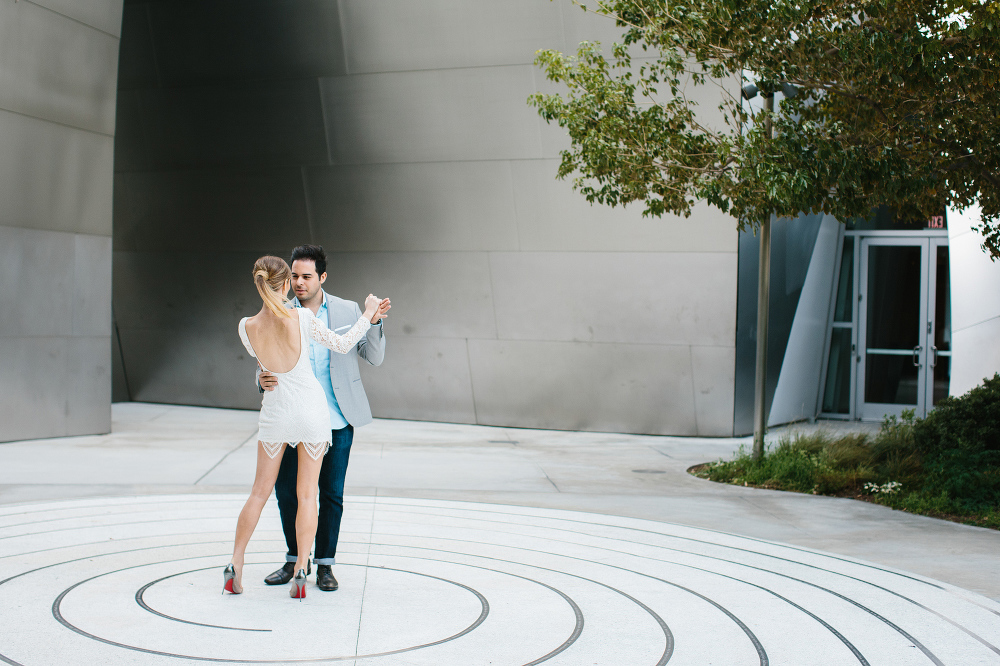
column 276, row 340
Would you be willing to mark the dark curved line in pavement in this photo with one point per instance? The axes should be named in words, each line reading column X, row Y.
column 835, row 573
column 933, row 658
column 403, row 506
column 668, row 636
column 578, row 629
column 693, row 540
column 142, row 603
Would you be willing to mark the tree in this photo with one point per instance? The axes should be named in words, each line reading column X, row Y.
column 898, row 105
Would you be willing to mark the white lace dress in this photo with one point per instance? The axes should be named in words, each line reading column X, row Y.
column 296, row 411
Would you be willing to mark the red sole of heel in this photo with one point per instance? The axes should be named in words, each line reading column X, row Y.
column 228, row 587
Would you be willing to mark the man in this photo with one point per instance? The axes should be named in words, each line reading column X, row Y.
column 340, row 378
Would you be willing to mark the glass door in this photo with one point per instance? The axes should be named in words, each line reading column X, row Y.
column 939, row 324
column 893, row 327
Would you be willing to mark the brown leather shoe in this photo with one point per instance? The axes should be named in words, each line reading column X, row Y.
column 284, row 574
column 324, row 578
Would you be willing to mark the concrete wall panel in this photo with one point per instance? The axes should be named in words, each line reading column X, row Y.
column 652, row 298
column 425, row 379
column 242, row 210
column 398, row 35
column 55, row 68
column 444, row 206
column 551, row 216
column 434, row 294
column 54, row 177
column 432, row 116
column 571, row 386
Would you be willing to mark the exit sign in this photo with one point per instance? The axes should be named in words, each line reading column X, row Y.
column 936, row 222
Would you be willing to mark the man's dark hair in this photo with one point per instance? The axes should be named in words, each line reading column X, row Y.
column 314, row 252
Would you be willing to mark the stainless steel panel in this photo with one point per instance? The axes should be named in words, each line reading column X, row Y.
column 57, row 69
column 421, row 378
column 430, row 116
column 434, row 294
column 105, row 15
column 244, row 123
column 131, row 147
column 91, row 290
column 213, row 40
column 410, row 207
column 34, row 373
column 653, row 298
column 551, row 216
column 174, row 291
column 192, row 366
column 54, row 177
column 36, row 283
column 395, row 35
column 581, row 386
column 136, row 55
column 580, row 25
column 233, row 210
column 714, row 371
column 87, row 388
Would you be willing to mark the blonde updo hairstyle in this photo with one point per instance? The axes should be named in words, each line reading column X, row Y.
column 269, row 275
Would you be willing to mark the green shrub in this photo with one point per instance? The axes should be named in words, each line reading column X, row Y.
column 947, row 464
column 961, row 444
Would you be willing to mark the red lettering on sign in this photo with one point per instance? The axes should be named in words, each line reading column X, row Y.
column 936, row 222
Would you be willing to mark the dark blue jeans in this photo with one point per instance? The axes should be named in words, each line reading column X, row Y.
column 332, row 473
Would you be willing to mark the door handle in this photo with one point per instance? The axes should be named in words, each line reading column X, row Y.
column 916, row 356
column 933, row 356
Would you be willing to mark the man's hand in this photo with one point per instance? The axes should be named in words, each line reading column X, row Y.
column 268, row 381
column 380, row 313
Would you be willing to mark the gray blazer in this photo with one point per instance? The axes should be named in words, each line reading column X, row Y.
column 344, row 372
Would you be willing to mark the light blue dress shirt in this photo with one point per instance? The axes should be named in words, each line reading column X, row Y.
column 319, row 356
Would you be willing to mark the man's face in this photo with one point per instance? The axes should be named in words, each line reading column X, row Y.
column 305, row 283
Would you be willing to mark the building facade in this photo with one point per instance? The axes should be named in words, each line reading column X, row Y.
column 397, row 135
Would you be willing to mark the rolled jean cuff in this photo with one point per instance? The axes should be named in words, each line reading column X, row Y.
column 291, row 558
column 328, row 561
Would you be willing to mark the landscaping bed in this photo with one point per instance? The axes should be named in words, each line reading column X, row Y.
column 946, row 465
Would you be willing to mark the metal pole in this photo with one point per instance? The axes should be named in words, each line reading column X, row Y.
column 763, row 304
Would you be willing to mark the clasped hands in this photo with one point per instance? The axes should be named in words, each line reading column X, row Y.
column 376, row 310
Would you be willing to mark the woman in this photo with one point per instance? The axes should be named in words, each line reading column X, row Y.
column 294, row 413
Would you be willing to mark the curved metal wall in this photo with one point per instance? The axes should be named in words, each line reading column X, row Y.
column 58, row 67
column 396, row 134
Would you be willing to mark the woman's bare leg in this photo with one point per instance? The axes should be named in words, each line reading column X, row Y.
column 263, row 483
column 306, row 489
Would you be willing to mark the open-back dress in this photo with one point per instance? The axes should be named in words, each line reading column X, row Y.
column 296, row 410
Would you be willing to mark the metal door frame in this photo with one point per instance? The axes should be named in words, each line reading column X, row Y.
column 876, row 411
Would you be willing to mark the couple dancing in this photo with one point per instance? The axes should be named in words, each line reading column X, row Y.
column 312, row 401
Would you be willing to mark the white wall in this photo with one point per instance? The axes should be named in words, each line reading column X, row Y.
column 975, row 304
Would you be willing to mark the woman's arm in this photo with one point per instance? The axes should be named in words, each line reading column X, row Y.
column 344, row 343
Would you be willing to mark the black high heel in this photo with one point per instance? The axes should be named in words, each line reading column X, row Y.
column 298, row 590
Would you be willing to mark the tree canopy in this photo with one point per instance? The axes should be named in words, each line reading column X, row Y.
column 897, row 104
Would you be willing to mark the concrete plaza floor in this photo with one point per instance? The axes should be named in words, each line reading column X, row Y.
column 470, row 544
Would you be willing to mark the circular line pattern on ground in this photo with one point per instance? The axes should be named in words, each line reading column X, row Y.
column 654, row 592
